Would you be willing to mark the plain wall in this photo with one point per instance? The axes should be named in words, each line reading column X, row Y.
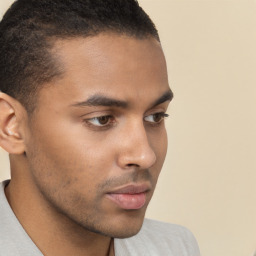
column 208, row 180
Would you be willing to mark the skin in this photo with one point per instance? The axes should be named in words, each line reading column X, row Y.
column 65, row 159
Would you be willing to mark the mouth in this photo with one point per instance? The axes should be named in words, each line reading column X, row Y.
column 130, row 197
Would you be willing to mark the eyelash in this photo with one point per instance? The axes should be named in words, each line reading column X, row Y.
column 111, row 121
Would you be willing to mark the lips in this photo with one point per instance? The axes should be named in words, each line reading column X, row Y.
column 130, row 197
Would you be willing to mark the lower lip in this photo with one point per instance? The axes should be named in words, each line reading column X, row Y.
column 129, row 201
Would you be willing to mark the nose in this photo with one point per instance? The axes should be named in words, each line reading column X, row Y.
column 135, row 149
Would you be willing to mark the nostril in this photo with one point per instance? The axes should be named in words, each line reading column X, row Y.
column 131, row 165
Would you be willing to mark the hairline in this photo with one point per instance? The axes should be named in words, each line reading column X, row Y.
column 53, row 40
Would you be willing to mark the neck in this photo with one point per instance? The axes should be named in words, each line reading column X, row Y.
column 51, row 231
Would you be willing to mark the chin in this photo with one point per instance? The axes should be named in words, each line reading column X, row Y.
column 115, row 227
column 126, row 234
column 120, row 234
column 126, row 228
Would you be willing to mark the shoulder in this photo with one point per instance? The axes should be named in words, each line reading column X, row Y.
column 13, row 238
column 160, row 238
column 164, row 230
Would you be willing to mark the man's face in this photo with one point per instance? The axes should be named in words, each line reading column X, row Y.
column 97, row 140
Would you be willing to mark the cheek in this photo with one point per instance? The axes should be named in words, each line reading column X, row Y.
column 70, row 153
column 159, row 143
column 67, row 174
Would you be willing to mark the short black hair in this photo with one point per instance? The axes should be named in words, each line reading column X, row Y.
column 30, row 27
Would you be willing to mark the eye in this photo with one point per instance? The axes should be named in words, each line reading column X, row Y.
column 156, row 118
column 100, row 121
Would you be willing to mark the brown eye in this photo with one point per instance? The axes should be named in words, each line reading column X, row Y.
column 103, row 120
column 156, row 118
column 100, row 121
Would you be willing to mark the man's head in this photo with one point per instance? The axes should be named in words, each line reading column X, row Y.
column 84, row 123
column 31, row 27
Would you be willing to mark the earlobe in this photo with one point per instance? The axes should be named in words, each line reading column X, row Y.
column 10, row 131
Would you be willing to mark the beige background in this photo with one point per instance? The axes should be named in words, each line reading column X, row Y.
column 208, row 181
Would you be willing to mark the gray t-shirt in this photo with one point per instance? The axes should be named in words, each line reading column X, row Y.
column 154, row 239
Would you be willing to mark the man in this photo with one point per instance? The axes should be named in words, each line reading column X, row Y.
column 84, row 94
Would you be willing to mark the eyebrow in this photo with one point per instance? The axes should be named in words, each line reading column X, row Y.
column 101, row 100
column 167, row 96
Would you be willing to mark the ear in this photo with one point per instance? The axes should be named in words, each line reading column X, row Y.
column 11, row 112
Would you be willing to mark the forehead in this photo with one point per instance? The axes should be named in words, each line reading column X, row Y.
column 111, row 64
